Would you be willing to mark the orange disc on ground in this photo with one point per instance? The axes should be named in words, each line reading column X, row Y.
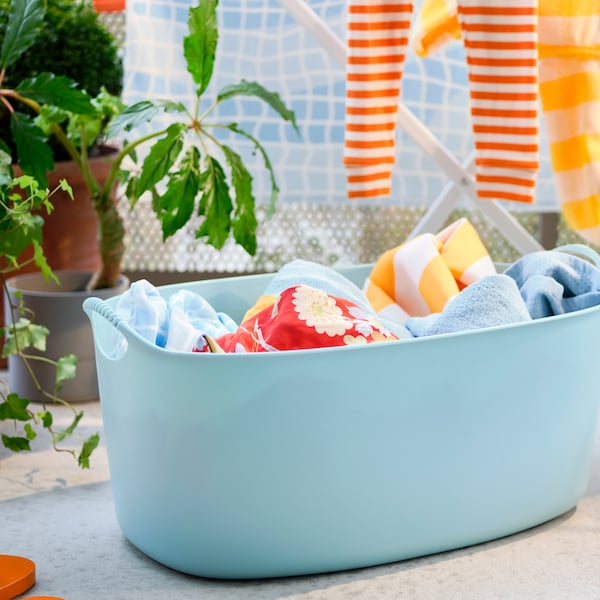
column 17, row 575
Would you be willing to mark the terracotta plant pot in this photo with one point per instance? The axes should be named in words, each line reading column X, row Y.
column 109, row 5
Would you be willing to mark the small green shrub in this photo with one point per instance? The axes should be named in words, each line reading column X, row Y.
column 73, row 42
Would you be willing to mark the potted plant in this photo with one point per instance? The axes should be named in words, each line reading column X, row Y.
column 21, row 228
column 71, row 42
column 183, row 169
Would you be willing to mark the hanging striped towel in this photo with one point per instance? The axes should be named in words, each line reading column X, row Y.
column 569, row 85
column 500, row 41
column 569, row 53
column 420, row 276
column 377, row 42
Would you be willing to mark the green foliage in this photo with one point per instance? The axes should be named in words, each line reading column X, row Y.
column 59, row 37
column 183, row 170
column 64, row 37
column 184, row 183
column 22, row 201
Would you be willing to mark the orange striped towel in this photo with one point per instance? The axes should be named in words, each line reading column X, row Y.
column 569, row 85
column 501, row 47
column 418, row 277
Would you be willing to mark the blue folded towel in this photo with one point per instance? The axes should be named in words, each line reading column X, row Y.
column 552, row 282
column 490, row 301
column 326, row 279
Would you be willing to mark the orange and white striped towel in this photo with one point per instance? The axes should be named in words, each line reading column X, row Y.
column 418, row 277
column 501, row 47
column 569, row 85
column 377, row 42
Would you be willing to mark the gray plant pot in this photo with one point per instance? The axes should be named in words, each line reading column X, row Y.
column 59, row 308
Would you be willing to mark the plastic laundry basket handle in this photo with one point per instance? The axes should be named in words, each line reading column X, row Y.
column 582, row 251
column 99, row 306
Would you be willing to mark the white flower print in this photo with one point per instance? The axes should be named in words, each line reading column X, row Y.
column 319, row 311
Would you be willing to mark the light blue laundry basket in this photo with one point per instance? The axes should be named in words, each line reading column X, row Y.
column 262, row 465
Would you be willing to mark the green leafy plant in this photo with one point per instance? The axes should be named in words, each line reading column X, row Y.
column 22, row 203
column 73, row 42
column 183, row 169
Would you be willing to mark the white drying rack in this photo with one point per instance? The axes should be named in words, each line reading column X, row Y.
column 460, row 175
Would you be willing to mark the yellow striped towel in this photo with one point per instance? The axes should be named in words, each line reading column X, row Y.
column 569, row 83
column 418, row 277
column 501, row 46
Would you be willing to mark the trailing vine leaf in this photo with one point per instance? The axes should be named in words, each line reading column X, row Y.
column 215, row 204
column 244, row 218
column 14, row 408
column 86, row 451
column 33, row 153
column 46, row 417
column 161, row 158
column 252, row 88
column 25, row 230
column 30, row 434
column 268, row 165
column 176, row 205
column 200, row 46
column 139, row 113
column 66, row 368
column 15, row 443
column 59, row 436
column 22, row 335
column 42, row 263
column 59, row 91
column 24, row 22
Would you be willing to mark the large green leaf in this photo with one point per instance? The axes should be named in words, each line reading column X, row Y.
column 176, row 205
column 33, row 153
column 252, row 88
column 60, row 91
column 215, row 204
column 161, row 158
column 200, row 46
column 25, row 20
column 268, row 165
column 244, row 218
column 139, row 113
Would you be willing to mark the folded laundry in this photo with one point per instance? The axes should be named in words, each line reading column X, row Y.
column 555, row 282
column 447, row 282
column 303, row 317
column 492, row 300
column 418, row 277
column 176, row 323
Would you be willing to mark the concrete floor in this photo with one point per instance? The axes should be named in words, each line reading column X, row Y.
column 63, row 519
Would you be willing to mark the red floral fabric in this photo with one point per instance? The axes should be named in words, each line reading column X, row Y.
column 303, row 317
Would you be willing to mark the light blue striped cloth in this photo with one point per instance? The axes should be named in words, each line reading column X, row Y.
column 176, row 323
